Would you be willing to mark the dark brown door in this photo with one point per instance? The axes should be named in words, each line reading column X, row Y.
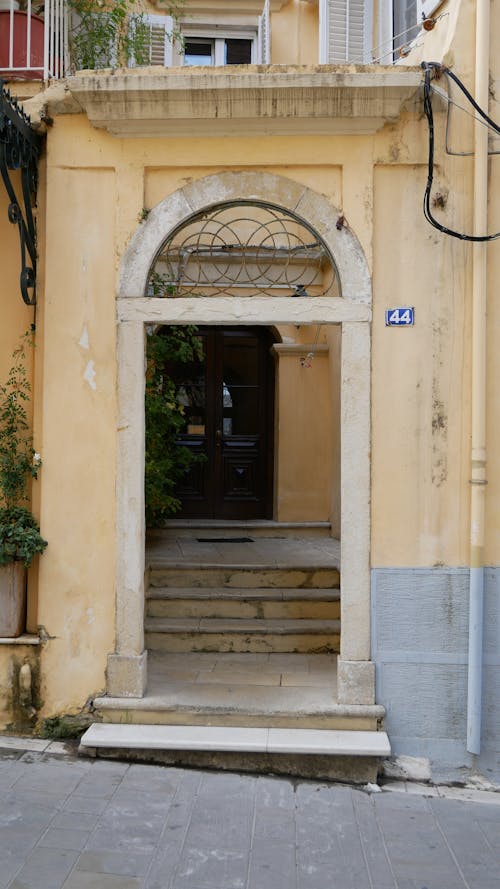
column 228, row 403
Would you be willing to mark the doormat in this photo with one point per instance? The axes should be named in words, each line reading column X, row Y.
column 224, row 540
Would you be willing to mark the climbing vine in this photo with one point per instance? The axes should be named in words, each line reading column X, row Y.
column 166, row 460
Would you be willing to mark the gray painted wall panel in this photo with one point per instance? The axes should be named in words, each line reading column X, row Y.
column 492, row 616
column 491, row 708
column 425, row 701
column 419, row 646
column 431, row 613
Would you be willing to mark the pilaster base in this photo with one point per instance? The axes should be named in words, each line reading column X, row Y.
column 126, row 675
column 355, row 682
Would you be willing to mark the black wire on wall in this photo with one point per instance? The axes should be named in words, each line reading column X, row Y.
column 429, row 67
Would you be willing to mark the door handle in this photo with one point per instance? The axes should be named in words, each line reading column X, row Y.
column 218, row 437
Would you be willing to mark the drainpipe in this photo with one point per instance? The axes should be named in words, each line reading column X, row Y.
column 478, row 453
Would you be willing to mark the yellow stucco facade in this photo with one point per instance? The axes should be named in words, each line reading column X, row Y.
column 95, row 182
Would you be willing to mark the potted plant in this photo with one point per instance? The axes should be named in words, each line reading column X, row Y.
column 22, row 32
column 20, row 538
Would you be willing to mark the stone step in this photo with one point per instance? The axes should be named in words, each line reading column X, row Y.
column 274, row 594
column 241, row 689
column 236, row 704
column 232, row 634
column 319, row 753
column 234, row 625
column 265, row 739
column 213, row 528
column 182, row 574
column 256, row 604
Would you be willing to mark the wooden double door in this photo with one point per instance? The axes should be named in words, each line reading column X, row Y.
column 228, row 400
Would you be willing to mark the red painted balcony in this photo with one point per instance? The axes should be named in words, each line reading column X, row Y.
column 33, row 46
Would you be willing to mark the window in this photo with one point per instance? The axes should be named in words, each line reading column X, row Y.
column 206, row 45
column 405, row 20
column 218, row 50
column 400, row 24
column 405, row 23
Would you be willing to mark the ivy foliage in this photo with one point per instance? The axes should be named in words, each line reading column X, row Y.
column 20, row 537
column 166, row 461
column 112, row 33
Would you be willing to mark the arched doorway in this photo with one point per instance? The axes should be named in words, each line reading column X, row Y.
column 227, row 398
column 350, row 308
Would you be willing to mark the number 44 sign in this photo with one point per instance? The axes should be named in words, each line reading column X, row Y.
column 402, row 317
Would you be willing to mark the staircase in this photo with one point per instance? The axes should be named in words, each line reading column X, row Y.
column 234, row 609
column 242, row 635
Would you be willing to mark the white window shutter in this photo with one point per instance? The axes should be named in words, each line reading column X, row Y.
column 345, row 27
column 264, row 36
column 160, row 28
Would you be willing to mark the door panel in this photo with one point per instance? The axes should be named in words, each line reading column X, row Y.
column 228, row 401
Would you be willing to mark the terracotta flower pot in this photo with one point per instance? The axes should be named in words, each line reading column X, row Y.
column 32, row 64
column 12, row 600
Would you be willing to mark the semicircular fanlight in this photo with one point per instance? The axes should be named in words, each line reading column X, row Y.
column 246, row 248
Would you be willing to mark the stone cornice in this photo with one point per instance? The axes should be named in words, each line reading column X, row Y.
column 245, row 100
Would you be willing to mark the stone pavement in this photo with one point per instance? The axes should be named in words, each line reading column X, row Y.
column 68, row 823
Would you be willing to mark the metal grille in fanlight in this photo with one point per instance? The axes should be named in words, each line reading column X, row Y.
column 244, row 249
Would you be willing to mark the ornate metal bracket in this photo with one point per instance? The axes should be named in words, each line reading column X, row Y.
column 19, row 151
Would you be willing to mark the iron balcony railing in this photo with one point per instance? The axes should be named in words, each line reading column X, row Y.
column 35, row 38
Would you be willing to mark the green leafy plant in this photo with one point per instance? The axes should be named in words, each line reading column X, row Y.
column 159, row 286
column 113, row 33
column 20, row 537
column 166, row 461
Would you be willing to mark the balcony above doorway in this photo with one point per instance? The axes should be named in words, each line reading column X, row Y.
column 238, row 7
column 256, row 100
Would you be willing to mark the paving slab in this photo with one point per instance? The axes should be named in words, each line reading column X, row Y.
column 272, row 864
column 20, row 743
column 133, row 864
column 84, row 880
column 45, row 869
column 121, row 826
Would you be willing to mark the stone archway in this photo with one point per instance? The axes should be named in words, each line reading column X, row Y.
column 127, row 666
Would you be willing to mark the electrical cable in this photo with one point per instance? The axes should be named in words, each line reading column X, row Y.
column 309, row 358
column 463, row 88
column 447, row 98
column 428, row 68
column 398, row 50
column 389, row 42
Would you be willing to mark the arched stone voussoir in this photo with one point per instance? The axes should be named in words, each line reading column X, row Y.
column 314, row 208
column 347, row 252
column 146, row 242
column 244, row 185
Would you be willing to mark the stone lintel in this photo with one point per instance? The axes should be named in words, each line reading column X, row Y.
column 355, row 682
column 222, row 310
column 127, row 675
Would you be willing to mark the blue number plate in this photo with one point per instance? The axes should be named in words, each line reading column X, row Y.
column 403, row 317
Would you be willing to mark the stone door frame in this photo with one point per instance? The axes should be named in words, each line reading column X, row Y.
column 127, row 666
